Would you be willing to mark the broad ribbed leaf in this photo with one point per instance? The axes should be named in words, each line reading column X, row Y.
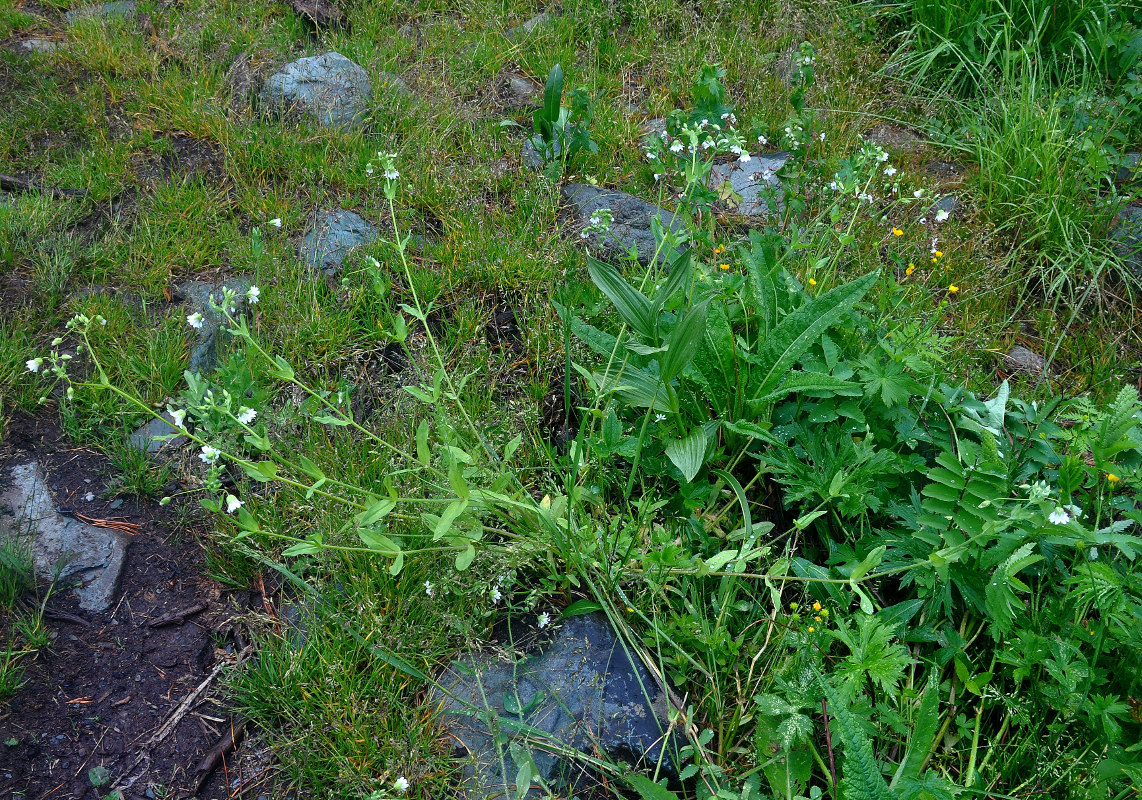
column 683, row 342
column 797, row 332
column 688, row 454
column 631, row 304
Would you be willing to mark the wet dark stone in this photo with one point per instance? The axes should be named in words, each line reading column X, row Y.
column 329, row 89
column 333, row 236
column 630, row 226
column 1127, row 237
column 144, row 436
column 578, row 691
column 1020, row 359
column 197, row 294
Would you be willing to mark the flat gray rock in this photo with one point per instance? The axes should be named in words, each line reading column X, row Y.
column 631, row 221
column 333, row 236
column 1128, row 171
column 580, row 691
column 539, row 157
column 144, row 436
column 93, row 557
column 949, row 203
column 328, row 89
column 196, row 295
column 38, row 46
column 1020, row 359
column 119, row 8
column 756, row 181
column 520, row 31
column 394, row 83
column 1127, row 237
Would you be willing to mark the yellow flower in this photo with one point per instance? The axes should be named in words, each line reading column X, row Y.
column 816, row 606
column 812, row 282
column 952, row 288
column 811, row 629
column 1111, row 478
column 934, row 259
column 719, row 249
column 897, row 232
column 939, row 253
column 723, row 266
column 817, row 618
column 910, row 270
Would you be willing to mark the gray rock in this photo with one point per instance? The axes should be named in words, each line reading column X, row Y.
column 144, row 436
column 119, row 8
column 944, row 170
column 581, row 691
column 949, row 203
column 630, row 226
column 38, row 46
column 1127, row 237
column 894, row 137
column 756, row 181
column 524, row 90
column 538, row 158
column 94, row 557
column 196, row 295
column 1020, row 359
column 333, row 236
column 652, row 129
column 520, row 31
column 329, row 89
column 394, row 83
column 1127, row 171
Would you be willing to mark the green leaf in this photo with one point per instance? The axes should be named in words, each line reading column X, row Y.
column 715, row 562
column 422, row 454
column 378, row 541
column 553, row 94
column 444, row 524
column 375, row 512
column 581, row 607
column 465, row 557
column 804, row 382
column 282, row 369
column 262, row 471
column 648, row 789
column 302, row 548
column 872, row 560
column 688, row 454
column 683, row 342
column 799, row 330
column 630, row 303
column 329, row 419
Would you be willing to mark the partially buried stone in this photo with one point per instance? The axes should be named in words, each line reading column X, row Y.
column 62, row 548
column 333, row 236
column 949, row 203
column 144, row 436
column 630, row 225
column 119, row 8
column 197, row 295
column 1020, row 359
column 581, row 692
column 1127, row 237
column 329, row 89
column 520, row 31
column 38, row 46
column 539, row 156
column 755, row 181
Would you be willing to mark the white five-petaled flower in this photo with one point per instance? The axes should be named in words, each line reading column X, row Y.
column 233, row 504
column 34, row 364
column 918, row 193
column 497, row 596
column 391, row 174
column 178, row 417
column 428, row 590
column 195, row 320
column 942, row 215
column 253, row 294
column 543, row 620
column 923, row 220
column 401, row 785
column 676, row 147
column 276, row 222
column 246, row 415
column 1059, row 516
column 762, row 140
column 369, row 169
column 659, row 417
column 890, row 170
column 209, row 454
column 744, row 157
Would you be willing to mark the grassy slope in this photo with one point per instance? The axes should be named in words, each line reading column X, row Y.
column 120, row 106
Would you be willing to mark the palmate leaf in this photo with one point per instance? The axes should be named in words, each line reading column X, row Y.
column 799, row 330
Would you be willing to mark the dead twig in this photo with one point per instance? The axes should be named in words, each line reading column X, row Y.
column 10, row 183
column 215, row 755
column 177, row 617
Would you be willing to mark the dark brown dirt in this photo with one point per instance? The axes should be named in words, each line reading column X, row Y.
column 108, row 682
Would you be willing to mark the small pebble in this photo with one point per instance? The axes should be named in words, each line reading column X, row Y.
column 116, row 503
column 89, row 497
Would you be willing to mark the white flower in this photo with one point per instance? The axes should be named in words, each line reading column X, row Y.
column 369, row 170
column 428, row 590
column 276, row 222
column 233, row 504
column 178, row 417
column 209, row 454
column 744, row 157
column 1074, row 511
column 890, row 171
column 497, row 596
column 1059, row 516
column 391, row 174
column 659, row 175
column 651, row 156
column 762, row 140
column 676, row 147
column 881, row 156
column 659, row 417
column 34, row 364
column 918, row 193
column 246, row 415
column 543, row 620
column 195, row 320
column 942, row 215
column 401, row 784
column 923, row 220
column 822, row 136
column 70, row 393
column 102, row 321
column 252, row 295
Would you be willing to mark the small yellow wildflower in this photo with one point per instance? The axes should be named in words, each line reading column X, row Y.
column 934, row 259
column 723, row 266
column 938, row 253
column 816, row 606
column 719, row 249
column 910, row 270
column 952, row 288
column 817, row 618
column 1111, row 478
column 812, row 282
column 897, row 232
column 812, row 629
